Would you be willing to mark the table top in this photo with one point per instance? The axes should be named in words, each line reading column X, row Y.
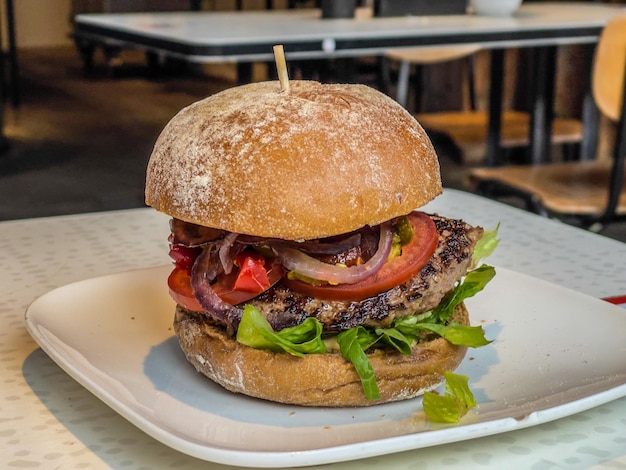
column 48, row 420
column 250, row 35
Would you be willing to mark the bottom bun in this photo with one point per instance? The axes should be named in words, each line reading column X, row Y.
column 316, row 379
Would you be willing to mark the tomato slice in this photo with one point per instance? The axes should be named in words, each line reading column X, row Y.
column 184, row 256
column 400, row 269
column 179, row 283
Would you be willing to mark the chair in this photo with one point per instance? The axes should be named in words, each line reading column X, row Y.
column 587, row 193
column 421, row 56
column 468, row 128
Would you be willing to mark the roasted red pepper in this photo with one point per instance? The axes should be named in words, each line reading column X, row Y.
column 252, row 275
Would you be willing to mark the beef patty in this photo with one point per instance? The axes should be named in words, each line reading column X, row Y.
column 451, row 260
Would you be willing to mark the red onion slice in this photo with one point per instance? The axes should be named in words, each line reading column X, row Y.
column 320, row 248
column 203, row 272
column 224, row 251
column 295, row 260
column 192, row 235
column 312, row 247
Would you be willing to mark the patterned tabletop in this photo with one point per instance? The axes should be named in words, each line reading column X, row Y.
column 47, row 420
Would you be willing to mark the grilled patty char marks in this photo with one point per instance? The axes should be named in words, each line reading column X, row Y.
column 283, row 307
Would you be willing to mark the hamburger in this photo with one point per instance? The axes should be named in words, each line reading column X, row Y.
column 304, row 272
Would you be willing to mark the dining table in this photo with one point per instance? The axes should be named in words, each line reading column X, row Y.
column 248, row 36
column 74, row 290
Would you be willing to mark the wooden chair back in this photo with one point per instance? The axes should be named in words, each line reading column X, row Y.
column 609, row 92
column 608, row 69
column 591, row 193
column 429, row 55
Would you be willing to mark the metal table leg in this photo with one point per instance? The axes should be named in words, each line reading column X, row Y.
column 590, row 112
column 542, row 94
column 494, row 150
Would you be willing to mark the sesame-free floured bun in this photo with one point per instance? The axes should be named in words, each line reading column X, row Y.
column 315, row 161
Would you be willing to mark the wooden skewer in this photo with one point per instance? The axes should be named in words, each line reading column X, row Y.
column 281, row 67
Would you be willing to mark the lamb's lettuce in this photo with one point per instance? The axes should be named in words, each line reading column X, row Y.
column 457, row 334
column 486, row 245
column 473, row 282
column 353, row 344
column 454, row 404
column 255, row 331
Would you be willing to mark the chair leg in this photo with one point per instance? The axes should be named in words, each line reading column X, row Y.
column 571, row 152
column 15, row 75
column 403, row 83
column 471, row 82
column 418, row 87
column 384, row 75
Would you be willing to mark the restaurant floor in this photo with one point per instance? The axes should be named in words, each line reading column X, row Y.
column 80, row 142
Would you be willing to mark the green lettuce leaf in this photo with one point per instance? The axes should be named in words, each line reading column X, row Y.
column 394, row 337
column 457, row 385
column 454, row 404
column 353, row 349
column 404, row 334
column 486, row 245
column 256, row 332
column 473, row 282
column 460, row 335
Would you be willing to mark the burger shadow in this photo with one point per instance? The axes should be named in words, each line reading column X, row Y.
column 479, row 361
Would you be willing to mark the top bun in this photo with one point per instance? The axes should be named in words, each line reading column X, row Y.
column 316, row 161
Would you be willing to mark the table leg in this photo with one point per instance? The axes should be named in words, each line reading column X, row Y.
column 14, row 73
column 494, row 150
column 542, row 93
column 3, row 140
column 86, row 50
column 590, row 112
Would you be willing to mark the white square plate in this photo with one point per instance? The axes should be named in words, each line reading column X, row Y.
column 555, row 352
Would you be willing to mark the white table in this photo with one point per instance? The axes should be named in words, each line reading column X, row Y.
column 246, row 36
column 47, row 420
column 249, row 35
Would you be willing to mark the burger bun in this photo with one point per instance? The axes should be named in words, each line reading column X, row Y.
column 316, row 161
column 316, row 379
